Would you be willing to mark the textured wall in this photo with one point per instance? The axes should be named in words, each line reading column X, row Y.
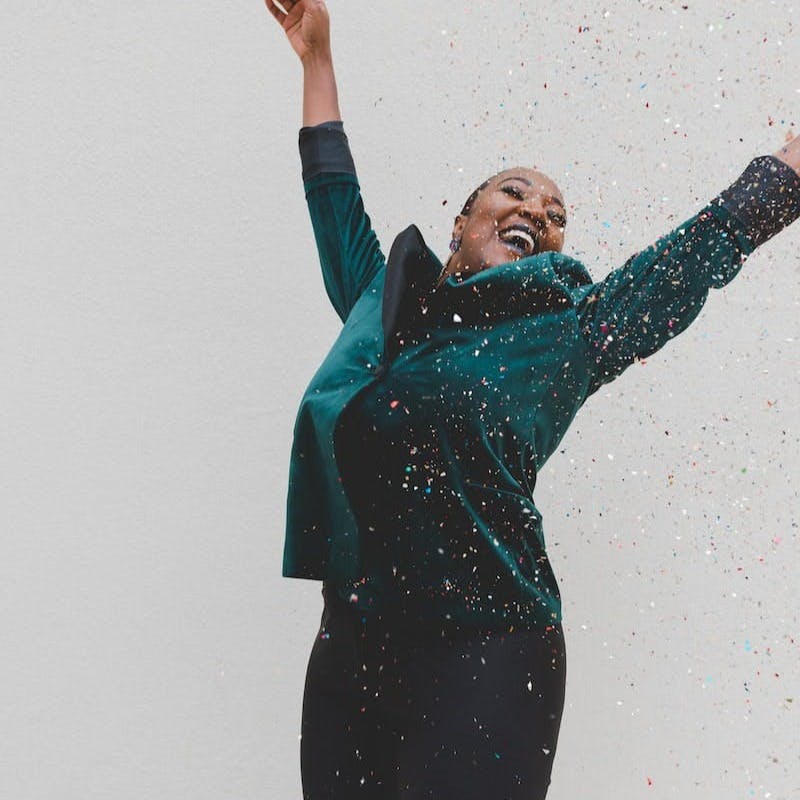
column 158, row 269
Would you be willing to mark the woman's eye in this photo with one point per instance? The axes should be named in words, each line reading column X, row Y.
column 559, row 219
column 513, row 191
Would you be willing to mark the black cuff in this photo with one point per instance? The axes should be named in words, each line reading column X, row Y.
column 765, row 198
column 324, row 148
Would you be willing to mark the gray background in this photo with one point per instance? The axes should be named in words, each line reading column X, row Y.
column 162, row 311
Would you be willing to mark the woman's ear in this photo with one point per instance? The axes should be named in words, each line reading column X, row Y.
column 458, row 227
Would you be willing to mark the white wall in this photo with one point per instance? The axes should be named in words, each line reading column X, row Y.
column 158, row 269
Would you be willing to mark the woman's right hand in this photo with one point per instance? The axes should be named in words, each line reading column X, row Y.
column 306, row 25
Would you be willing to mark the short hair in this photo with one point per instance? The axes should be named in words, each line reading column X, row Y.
column 465, row 211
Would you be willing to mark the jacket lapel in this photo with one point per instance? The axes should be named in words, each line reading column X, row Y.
column 411, row 270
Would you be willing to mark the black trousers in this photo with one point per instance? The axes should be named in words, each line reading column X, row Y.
column 398, row 717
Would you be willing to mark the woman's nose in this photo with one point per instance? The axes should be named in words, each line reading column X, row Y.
column 535, row 210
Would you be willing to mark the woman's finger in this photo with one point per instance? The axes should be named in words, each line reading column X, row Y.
column 280, row 9
column 275, row 11
column 286, row 5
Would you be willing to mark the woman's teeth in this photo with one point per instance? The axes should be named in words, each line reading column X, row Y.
column 519, row 239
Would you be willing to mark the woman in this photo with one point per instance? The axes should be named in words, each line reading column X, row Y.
column 439, row 667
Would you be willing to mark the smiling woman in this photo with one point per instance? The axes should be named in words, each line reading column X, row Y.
column 516, row 213
column 439, row 667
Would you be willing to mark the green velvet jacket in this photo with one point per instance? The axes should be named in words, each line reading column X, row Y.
column 495, row 365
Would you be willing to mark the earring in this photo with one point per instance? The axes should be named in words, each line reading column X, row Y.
column 454, row 244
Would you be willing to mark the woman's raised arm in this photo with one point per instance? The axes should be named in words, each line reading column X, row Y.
column 307, row 27
column 349, row 251
column 660, row 290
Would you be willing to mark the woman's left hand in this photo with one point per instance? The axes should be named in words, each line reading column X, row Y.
column 790, row 153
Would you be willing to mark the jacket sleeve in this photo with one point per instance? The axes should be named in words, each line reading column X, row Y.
column 349, row 252
column 659, row 291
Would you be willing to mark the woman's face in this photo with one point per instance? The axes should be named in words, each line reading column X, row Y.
column 518, row 213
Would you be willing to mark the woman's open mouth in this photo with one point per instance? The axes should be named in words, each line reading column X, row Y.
column 519, row 238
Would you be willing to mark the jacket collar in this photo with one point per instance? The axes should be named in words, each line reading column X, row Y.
column 534, row 285
column 411, row 272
